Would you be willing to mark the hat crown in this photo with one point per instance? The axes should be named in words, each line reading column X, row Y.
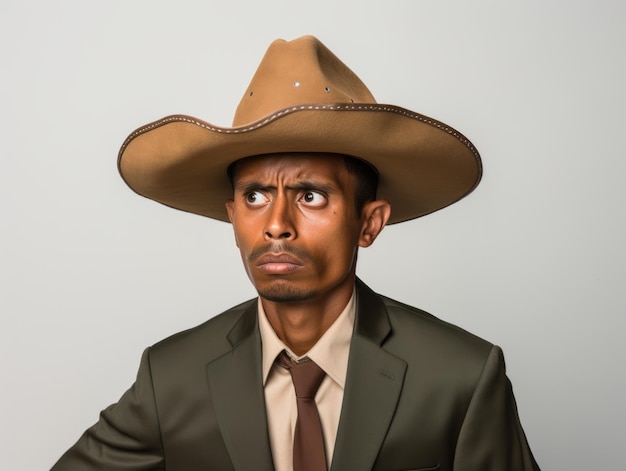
column 302, row 71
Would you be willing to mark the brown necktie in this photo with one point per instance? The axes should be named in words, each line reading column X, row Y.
column 308, row 443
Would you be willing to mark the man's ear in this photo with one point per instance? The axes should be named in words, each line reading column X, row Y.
column 230, row 204
column 375, row 215
column 229, row 209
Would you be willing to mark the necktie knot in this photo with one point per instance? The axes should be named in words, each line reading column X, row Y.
column 306, row 375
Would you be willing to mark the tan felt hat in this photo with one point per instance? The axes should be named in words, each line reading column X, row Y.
column 302, row 98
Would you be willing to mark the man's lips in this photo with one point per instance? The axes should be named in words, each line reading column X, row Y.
column 278, row 264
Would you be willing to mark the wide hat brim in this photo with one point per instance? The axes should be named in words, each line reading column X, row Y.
column 424, row 165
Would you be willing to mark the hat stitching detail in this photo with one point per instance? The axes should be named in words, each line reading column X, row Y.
column 284, row 111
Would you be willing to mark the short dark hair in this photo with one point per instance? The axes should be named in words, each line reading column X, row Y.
column 366, row 180
column 365, row 174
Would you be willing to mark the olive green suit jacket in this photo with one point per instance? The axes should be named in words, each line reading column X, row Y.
column 420, row 394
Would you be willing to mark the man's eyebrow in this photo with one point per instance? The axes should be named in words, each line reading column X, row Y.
column 313, row 185
column 252, row 185
column 247, row 186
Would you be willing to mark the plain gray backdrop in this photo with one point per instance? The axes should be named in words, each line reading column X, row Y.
column 533, row 260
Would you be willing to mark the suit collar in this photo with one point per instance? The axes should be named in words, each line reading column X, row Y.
column 372, row 322
column 245, row 326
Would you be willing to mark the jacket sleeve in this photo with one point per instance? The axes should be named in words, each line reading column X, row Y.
column 491, row 436
column 127, row 435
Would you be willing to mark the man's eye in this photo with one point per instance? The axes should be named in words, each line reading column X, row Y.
column 255, row 197
column 313, row 198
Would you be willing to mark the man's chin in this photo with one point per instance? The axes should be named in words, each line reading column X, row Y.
column 285, row 293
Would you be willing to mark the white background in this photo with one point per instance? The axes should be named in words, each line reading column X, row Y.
column 533, row 260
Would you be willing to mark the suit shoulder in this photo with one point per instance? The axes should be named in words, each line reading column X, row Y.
column 207, row 340
column 414, row 325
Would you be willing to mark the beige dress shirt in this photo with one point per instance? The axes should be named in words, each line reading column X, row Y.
column 331, row 354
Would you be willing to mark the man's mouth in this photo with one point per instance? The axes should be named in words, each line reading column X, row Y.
column 278, row 263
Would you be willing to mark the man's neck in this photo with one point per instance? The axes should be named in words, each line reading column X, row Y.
column 301, row 324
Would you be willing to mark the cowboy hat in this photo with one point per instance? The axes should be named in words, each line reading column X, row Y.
column 302, row 98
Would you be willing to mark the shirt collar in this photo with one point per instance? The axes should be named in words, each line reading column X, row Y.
column 330, row 352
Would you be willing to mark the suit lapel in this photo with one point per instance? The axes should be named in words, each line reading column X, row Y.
column 373, row 385
column 236, row 385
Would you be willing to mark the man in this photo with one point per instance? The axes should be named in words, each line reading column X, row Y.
column 312, row 170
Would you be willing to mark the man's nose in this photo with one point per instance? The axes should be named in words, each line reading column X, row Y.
column 279, row 223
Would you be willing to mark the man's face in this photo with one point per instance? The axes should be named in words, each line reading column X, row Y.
column 296, row 225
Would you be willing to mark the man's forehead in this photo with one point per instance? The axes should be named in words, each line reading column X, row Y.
column 298, row 164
